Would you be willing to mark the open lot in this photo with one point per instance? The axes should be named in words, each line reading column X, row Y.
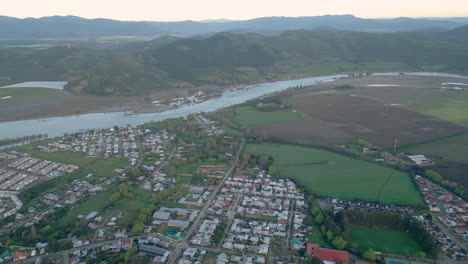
column 249, row 116
column 333, row 175
column 396, row 242
column 101, row 201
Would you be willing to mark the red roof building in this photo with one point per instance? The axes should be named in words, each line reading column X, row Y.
column 20, row 256
column 330, row 255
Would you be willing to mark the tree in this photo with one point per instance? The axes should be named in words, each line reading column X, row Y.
column 369, row 255
column 272, row 170
column 459, row 190
column 137, row 228
column 318, row 219
column 429, row 216
column 433, row 176
column 329, row 235
column 315, row 211
column 115, row 197
column 130, row 253
column 339, row 243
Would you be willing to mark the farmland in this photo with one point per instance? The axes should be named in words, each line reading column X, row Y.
column 396, row 242
column 29, row 94
column 249, row 116
column 451, row 148
column 311, row 131
column 373, row 121
column 329, row 174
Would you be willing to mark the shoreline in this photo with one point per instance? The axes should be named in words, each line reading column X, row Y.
column 134, row 105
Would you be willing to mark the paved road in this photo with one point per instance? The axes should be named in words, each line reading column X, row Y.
column 231, row 213
column 290, row 220
column 184, row 244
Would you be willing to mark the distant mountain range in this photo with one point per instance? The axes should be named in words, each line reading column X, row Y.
column 71, row 26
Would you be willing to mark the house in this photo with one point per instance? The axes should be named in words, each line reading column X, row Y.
column 20, row 256
column 327, row 255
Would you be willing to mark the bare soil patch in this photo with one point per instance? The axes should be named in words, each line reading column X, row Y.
column 376, row 122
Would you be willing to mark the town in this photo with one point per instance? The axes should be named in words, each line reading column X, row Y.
column 180, row 191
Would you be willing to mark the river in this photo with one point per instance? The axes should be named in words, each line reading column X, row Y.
column 58, row 126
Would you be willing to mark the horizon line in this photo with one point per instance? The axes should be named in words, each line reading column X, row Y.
column 214, row 20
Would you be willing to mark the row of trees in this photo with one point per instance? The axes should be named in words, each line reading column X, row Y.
column 22, row 140
column 394, row 221
column 438, row 179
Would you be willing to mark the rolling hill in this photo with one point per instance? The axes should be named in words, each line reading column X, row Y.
column 225, row 59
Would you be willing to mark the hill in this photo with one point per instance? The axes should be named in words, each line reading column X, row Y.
column 229, row 59
column 72, row 26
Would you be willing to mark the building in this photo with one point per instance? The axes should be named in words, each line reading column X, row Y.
column 420, row 160
column 20, row 256
column 328, row 256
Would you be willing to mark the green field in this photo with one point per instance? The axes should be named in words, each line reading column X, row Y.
column 97, row 166
column 249, row 116
column 101, row 201
column 333, row 175
column 451, row 148
column 28, row 94
column 451, row 105
column 396, row 242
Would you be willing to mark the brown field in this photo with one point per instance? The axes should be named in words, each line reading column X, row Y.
column 373, row 121
column 453, row 171
column 306, row 131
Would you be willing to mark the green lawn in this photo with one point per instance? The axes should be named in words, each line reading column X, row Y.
column 451, row 148
column 96, row 203
column 396, row 241
column 248, row 116
column 333, row 175
column 101, row 201
column 27, row 94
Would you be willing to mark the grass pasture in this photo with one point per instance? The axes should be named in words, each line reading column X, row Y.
column 453, row 148
column 396, row 242
column 329, row 174
column 29, row 94
column 451, row 106
column 249, row 116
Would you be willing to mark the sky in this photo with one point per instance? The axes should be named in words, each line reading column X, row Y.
column 178, row 10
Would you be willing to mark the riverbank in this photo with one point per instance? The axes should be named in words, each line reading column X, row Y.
column 69, row 105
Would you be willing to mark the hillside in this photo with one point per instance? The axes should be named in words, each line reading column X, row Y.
column 230, row 59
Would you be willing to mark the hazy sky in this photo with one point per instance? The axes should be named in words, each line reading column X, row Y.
column 176, row 10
